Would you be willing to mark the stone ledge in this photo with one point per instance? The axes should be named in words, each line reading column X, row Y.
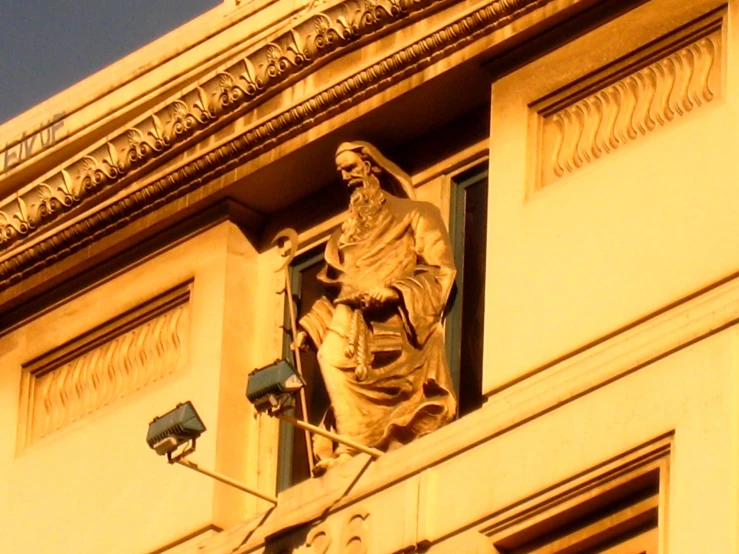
column 655, row 337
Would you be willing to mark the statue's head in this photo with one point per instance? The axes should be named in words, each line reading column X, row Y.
column 359, row 163
column 355, row 169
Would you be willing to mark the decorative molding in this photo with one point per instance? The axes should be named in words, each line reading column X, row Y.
column 633, row 97
column 221, row 94
column 113, row 361
column 347, row 532
column 93, row 173
column 646, row 466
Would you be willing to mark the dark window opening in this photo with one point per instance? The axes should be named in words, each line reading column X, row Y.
column 621, row 520
column 465, row 321
column 293, row 455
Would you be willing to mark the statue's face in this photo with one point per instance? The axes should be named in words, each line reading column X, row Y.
column 352, row 168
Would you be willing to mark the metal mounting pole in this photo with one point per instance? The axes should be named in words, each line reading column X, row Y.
column 226, row 480
column 291, row 236
column 329, row 435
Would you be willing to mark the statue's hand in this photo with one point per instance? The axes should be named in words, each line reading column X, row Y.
column 381, row 296
column 301, row 341
column 375, row 298
column 353, row 300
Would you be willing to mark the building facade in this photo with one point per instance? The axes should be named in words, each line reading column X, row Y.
column 583, row 156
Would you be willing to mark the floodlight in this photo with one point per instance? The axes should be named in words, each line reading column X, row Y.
column 271, row 388
column 175, row 428
column 182, row 426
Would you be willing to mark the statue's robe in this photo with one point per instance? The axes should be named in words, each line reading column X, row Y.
column 385, row 369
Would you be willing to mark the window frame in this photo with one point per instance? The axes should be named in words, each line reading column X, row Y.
column 571, row 500
column 286, row 434
column 460, row 185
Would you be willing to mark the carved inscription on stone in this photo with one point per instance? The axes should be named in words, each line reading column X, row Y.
column 345, row 533
column 109, row 363
column 629, row 100
column 31, row 143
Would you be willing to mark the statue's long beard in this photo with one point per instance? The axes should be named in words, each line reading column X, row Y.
column 365, row 205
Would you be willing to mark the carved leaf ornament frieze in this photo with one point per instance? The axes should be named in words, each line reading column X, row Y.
column 221, row 94
column 214, row 99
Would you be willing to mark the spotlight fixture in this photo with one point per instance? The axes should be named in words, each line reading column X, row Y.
column 272, row 389
column 180, row 428
column 175, row 428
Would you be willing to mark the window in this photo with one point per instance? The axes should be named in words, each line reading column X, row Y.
column 615, row 507
column 293, row 456
column 464, row 331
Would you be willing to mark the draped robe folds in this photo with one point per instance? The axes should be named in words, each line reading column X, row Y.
column 385, row 369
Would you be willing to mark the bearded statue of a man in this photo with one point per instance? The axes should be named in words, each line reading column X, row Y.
column 380, row 340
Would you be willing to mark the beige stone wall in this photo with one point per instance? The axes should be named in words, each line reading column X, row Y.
column 691, row 394
column 610, row 321
column 648, row 221
column 581, row 267
column 76, row 469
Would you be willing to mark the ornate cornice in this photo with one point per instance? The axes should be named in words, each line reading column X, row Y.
column 203, row 106
column 210, row 102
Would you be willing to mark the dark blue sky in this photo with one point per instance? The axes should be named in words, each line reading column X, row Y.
column 49, row 45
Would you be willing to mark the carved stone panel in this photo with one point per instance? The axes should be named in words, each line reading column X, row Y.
column 629, row 99
column 349, row 533
column 96, row 369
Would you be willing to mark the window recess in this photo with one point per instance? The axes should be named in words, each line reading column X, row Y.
column 618, row 507
column 293, row 465
column 465, row 320
column 464, row 323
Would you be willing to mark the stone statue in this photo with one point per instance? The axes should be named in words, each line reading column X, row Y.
column 389, row 271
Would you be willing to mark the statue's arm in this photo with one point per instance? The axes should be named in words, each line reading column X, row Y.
column 315, row 323
column 434, row 253
column 425, row 294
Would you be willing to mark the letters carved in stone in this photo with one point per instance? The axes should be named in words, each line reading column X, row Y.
column 670, row 82
column 341, row 534
column 95, row 370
